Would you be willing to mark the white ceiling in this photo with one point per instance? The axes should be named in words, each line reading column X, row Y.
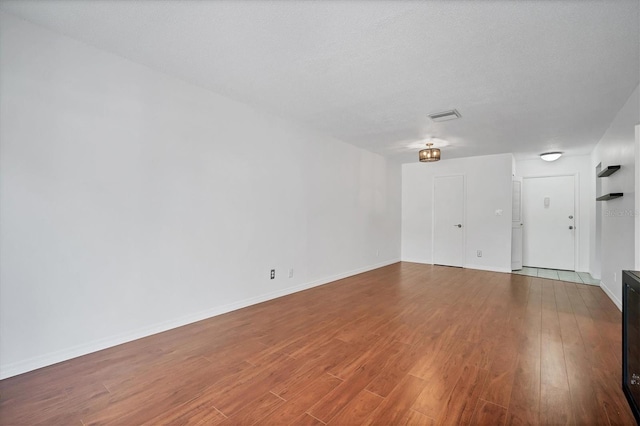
column 527, row 76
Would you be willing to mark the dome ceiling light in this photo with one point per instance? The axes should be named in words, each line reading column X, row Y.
column 551, row 156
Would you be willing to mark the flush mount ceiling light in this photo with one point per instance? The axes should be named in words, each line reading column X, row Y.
column 551, row 156
column 429, row 154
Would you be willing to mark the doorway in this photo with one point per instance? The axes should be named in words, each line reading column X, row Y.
column 448, row 220
column 549, row 222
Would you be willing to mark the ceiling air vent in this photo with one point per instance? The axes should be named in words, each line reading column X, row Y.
column 445, row 115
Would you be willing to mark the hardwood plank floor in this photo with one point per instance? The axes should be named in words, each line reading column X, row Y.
column 403, row 344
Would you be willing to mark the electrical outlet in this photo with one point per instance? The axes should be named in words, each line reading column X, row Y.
column 377, row 253
column 615, row 278
column 479, row 253
column 273, row 273
column 291, row 273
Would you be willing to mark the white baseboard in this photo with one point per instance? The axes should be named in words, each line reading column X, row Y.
column 422, row 261
column 488, row 268
column 612, row 296
column 13, row 369
column 478, row 267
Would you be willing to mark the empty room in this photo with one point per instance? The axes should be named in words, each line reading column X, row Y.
column 319, row 212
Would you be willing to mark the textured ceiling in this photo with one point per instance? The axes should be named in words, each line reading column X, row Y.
column 527, row 76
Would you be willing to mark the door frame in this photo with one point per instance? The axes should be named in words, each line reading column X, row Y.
column 464, row 216
column 576, row 209
column 637, row 198
column 520, row 180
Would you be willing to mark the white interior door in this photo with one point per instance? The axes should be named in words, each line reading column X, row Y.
column 448, row 221
column 549, row 223
column 516, row 225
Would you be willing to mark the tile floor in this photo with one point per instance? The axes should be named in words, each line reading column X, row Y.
column 555, row 274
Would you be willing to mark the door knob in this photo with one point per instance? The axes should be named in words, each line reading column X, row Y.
column 570, row 227
column 459, row 225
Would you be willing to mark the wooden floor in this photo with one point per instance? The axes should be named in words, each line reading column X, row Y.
column 404, row 344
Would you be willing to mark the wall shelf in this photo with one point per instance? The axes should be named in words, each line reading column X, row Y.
column 608, row 171
column 611, row 196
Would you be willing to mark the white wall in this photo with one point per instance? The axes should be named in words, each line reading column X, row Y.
column 580, row 167
column 132, row 202
column 488, row 188
column 617, row 146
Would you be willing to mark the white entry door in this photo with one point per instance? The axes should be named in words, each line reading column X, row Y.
column 448, row 221
column 549, row 222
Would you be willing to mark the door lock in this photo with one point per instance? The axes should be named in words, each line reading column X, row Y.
column 570, row 227
column 570, row 216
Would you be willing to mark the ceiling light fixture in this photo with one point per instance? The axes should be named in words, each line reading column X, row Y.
column 551, row 156
column 429, row 154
